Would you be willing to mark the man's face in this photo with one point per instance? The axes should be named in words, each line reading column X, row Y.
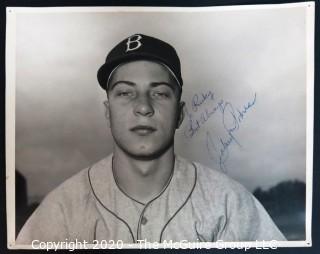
column 144, row 108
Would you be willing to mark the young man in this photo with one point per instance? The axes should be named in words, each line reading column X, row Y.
column 143, row 191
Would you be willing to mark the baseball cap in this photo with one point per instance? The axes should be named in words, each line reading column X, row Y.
column 140, row 47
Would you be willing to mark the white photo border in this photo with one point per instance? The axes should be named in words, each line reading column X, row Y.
column 11, row 103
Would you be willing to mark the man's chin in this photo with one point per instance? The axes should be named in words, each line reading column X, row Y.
column 145, row 150
column 146, row 153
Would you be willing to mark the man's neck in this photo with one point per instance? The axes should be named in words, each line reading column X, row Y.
column 142, row 180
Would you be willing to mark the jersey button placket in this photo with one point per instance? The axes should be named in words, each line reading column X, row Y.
column 143, row 221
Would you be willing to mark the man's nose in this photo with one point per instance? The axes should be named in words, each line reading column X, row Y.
column 143, row 106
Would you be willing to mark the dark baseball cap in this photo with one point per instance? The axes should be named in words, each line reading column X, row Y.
column 140, row 47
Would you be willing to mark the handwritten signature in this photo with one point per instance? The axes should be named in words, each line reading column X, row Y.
column 231, row 119
column 199, row 99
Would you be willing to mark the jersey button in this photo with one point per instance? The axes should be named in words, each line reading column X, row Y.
column 144, row 220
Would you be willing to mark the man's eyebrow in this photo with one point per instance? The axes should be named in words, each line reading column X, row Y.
column 122, row 82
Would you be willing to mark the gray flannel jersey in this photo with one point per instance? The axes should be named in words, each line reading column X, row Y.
column 198, row 204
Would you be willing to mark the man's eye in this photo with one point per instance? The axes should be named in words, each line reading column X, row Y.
column 160, row 95
column 124, row 93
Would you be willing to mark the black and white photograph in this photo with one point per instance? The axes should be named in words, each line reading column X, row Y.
column 149, row 127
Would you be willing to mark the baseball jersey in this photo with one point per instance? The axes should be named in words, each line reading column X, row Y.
column 197, row 204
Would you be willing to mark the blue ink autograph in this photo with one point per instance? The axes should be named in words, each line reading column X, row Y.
column 231, row 120
column 199, row 99
column 194, row 124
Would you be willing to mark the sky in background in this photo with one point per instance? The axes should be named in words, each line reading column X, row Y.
column 247, row 61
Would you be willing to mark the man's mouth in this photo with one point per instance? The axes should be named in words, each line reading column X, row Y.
column 143, row 130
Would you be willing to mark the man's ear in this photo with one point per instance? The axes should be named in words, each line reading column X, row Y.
column 107, row 110
column 181, row 113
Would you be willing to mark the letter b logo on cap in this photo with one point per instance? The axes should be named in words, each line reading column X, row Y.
column 134, row 42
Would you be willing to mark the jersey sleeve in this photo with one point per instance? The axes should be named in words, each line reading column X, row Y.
column 47, row 223
column 247, row 220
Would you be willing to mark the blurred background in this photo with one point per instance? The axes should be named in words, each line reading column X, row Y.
column 244, row 77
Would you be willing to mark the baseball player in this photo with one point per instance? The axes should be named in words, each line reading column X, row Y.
column 143, row 190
